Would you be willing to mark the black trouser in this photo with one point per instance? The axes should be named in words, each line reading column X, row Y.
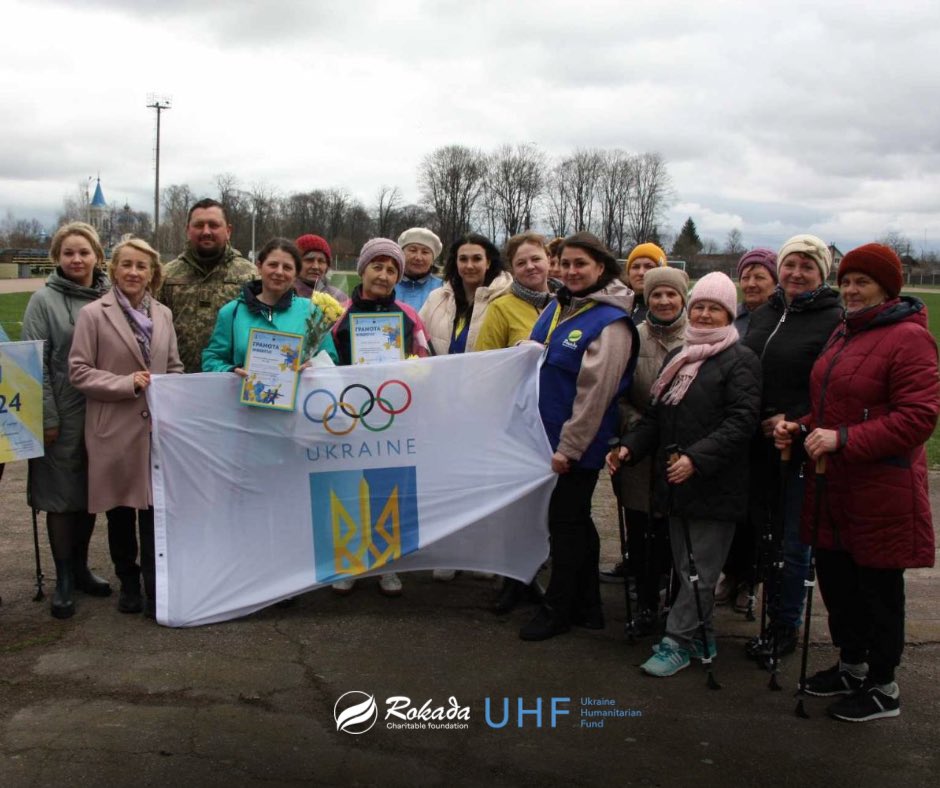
column 650, row 559
column 574, row 586
column 866, row 612
column 122, row 541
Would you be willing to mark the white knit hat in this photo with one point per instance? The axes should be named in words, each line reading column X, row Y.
column 811, row 246
column 423, row 236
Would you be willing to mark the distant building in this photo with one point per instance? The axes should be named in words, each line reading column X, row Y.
column 98, row 214
column 836, row 257
column 112, row 222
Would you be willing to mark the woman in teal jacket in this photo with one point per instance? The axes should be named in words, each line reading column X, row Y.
column 269, row 302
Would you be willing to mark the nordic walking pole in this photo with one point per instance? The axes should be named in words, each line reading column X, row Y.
column 672, row 455
column 779, row 527
column 39, row 576
column 629, row 626
column 810, row 582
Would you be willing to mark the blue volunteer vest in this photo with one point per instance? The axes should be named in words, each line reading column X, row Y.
column 558, row 376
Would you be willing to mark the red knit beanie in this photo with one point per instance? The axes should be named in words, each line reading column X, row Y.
column 878, row 262
column 314, row 243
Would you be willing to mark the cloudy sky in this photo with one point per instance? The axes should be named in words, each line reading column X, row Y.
column 774, row 117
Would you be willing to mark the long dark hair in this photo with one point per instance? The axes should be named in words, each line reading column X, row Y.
column 452, row 275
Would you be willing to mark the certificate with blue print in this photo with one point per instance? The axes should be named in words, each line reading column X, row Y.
column 21, row 430
column 376, row 338
column 273, row 367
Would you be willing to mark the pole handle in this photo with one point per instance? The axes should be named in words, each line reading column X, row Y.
column 785, row 453
column 821, row 465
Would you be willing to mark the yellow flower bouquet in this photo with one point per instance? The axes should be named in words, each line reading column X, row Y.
column 324, row 312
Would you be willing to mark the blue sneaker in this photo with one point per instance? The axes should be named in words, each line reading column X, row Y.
column 696, row 651
column 667, row 660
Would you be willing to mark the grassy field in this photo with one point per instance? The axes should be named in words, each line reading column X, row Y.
column 13, row 304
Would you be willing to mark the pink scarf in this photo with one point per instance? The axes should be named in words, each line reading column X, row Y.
column 700, row 344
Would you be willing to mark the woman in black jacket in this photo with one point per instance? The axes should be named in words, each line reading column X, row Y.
column 788, row 333
column 706, row 401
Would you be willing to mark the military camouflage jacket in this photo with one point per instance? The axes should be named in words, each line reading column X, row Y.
column 195, row 294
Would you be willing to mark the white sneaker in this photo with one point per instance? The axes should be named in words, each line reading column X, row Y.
column 390, row 585
column 444, row 575
column 344, row 587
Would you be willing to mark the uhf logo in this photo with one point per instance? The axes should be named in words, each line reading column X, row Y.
column 355, row 712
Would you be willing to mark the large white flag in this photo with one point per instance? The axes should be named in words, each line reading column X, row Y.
column 418, row 464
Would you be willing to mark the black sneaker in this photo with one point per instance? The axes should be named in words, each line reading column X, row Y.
column 867, row 703
column 763, row 650
column 833, row 681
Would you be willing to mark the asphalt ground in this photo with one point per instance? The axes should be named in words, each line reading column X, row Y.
column 105, row 699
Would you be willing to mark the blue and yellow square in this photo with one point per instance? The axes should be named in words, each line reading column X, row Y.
column 362, row 519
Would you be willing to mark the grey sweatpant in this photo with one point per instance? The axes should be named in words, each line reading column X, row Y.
column 711, row 540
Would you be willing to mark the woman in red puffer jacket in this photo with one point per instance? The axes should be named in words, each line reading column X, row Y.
column 875, row 400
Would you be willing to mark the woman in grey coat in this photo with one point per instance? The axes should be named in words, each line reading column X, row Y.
column 58, row 481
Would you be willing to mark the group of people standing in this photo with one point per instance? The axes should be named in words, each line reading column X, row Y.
column 686, row 397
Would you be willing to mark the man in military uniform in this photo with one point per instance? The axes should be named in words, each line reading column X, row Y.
column 208, row 274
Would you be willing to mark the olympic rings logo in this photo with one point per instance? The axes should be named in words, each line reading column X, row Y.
column 355, row 403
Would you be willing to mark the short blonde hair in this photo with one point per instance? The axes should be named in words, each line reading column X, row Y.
column 140, row 245
column 83, row 229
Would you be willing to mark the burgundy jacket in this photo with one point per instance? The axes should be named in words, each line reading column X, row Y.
column 877, row 382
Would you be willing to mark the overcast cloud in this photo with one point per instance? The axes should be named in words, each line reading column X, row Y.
column 775, row 118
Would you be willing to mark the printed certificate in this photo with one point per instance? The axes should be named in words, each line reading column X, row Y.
column 20, row 400
column 273, row 367
column 376, row 337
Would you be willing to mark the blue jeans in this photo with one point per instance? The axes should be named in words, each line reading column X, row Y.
column 788, row 607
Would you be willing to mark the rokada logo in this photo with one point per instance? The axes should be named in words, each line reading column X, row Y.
column 355, row 712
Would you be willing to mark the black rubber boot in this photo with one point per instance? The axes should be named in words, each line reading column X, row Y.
column 86, row 581
column 62, row 604
column 510, row 595
column 546, row 624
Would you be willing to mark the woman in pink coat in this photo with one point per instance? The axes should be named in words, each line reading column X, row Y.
column 117, row 345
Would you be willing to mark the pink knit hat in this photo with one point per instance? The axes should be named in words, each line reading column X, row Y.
column 716, row 287
column 377, row 247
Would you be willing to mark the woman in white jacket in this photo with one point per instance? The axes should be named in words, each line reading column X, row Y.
column 474, row 275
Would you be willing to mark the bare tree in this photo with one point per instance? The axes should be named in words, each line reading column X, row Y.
column 176, row 201
column 338, row 203
column 75, row 206
column 412, row 216
column 583, row 172
column 450, row 180
column 22, row 233
column 388, row 198
column 615, row 186
column 650, row 197
column 557, row 200
column 513, row 186
column 487, row 212
column 897, row 241
column 735, row 241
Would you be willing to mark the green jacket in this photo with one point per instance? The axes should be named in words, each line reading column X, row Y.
column 229, row 342
column 195, row 292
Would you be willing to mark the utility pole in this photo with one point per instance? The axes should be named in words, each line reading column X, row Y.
column 158, row 103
